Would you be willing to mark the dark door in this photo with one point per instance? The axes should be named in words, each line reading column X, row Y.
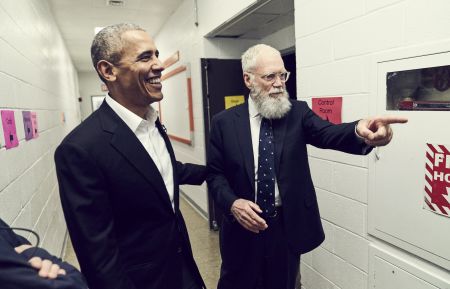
column 289, row 64
column 223, row 77
column 220, row 78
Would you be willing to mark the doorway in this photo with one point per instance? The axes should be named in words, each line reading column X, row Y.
column 221, row 78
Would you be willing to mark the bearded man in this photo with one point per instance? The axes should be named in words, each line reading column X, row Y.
column 259, row 174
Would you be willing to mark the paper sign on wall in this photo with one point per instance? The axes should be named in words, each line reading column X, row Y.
column 34, row 124
column 27, row 125
column 437, row 179
column 328, row 108
column 233, row 100
column 9, row 129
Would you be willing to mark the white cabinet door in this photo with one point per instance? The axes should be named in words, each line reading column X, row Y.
column 397, row 172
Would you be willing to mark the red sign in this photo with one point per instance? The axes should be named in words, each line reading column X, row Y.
column 328, row 108
column 437, row 179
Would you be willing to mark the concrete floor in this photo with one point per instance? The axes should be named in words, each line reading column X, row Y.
column 205, row 245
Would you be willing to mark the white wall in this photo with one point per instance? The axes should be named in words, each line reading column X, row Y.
column 36, row 74
column 90, row 84
column 282, row 39
column 334, row 48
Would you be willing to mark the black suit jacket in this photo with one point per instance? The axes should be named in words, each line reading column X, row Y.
column 232, row 174
column 17, row 273
column 125, row 233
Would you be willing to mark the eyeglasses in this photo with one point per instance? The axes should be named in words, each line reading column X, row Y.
column 271, row 77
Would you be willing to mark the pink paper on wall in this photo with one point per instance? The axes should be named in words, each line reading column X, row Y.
column 34, row 124
column 328, row 108
column 27, row 125
column 9, row 129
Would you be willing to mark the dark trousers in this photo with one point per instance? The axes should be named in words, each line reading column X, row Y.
column 257, row 261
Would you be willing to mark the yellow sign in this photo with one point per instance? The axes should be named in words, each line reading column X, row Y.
column 233, row 100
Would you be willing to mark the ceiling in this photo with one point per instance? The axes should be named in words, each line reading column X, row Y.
column 257, row 21
column 77, row 19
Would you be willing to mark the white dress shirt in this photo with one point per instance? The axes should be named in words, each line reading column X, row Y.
column 149, row 136
column 255, row 124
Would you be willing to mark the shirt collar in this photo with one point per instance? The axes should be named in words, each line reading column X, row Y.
column 252, row 111
column 132, row 120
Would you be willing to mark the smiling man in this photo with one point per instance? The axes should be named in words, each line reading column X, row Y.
column 119, row 180
column 259, row 174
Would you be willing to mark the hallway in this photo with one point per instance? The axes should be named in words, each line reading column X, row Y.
column 205, row 245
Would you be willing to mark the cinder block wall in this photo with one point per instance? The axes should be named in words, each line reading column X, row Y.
column 36, row 74
column 335, row 41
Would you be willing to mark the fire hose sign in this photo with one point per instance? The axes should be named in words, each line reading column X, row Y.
column 437, row 179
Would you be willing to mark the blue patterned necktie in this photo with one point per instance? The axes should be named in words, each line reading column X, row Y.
column 266, row 169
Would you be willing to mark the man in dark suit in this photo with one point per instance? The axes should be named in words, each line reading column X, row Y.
column 119, row 179
column 259, row 174
column 24, row 266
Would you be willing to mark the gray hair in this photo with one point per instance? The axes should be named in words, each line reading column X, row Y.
column 107, row 44
column 249, row 57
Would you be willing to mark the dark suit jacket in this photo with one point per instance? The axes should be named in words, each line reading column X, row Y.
column 231, row 166
column 16, row 272
column 125, row 233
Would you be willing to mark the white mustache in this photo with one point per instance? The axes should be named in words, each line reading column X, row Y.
column 277, row 90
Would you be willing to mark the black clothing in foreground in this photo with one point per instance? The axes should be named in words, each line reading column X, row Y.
column 17, row 273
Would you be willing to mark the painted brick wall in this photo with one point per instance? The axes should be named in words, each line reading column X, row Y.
column 36, row 74
column 334, row 48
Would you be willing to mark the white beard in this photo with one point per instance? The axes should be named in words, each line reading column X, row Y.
column 271, row 107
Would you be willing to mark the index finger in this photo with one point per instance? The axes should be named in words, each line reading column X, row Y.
column 257, row 218
column 254, row 206
column 390, row 119
column 36, row 262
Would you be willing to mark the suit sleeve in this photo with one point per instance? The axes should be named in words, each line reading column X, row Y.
column 323, row 134
column 10, row 236
column 217, row 182
column 16, row 272
column 191, row 174
column 86, row 205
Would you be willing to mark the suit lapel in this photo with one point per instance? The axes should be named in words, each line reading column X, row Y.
column 162, row 131
column 128, row 145
column 242, row 127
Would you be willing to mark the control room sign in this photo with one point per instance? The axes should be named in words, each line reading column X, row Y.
column 328, row 108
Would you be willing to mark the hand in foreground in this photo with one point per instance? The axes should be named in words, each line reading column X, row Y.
column 46, row 269
column 245, row 213
column 22, row 248
column 376, row 131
